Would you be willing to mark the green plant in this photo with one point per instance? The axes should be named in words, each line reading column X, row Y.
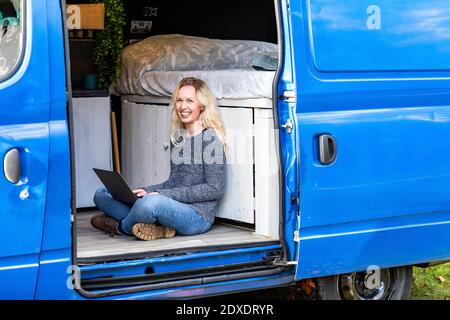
column 109, row 42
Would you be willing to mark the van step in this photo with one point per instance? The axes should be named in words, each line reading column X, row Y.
column 123, row 288
column 163, row 277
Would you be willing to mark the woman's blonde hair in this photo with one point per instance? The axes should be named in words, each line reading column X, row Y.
column 210, row 116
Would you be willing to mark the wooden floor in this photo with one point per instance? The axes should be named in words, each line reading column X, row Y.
column 92, row 243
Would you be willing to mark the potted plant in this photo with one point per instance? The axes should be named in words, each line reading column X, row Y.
column 109, row 42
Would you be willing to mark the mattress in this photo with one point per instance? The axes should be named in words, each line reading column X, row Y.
column 225, row 84
column 155, row 65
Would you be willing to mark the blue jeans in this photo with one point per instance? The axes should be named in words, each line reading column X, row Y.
column 150, row 209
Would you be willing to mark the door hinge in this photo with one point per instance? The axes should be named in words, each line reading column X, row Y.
column 289, row 125
column 288, row 96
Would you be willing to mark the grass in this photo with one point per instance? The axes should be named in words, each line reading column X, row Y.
column 428, row 286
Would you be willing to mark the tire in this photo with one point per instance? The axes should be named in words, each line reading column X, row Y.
column 395, row 284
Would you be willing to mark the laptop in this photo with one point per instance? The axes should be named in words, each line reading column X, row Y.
column 116, row 185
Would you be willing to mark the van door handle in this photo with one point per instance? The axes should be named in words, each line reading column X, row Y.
column 11, row 165
column 327, row 149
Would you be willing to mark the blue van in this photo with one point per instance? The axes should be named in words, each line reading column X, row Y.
column 360, row 109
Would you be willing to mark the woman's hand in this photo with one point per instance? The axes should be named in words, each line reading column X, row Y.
column 141, row 192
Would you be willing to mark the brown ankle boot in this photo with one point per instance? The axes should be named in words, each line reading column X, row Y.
column 106, row 224
column 148, row 231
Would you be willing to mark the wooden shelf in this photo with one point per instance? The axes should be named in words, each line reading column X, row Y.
column 81, row 39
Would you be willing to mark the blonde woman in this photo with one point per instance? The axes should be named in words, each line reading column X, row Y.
column 187, row 202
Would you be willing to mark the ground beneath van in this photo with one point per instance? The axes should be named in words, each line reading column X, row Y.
column 93, row 244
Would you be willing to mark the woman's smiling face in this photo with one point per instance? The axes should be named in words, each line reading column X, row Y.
column 187, row 105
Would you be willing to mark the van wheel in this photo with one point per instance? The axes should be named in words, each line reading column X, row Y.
column 395, row 284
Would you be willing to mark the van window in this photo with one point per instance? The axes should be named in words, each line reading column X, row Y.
column 11, row 36
column 381, row 35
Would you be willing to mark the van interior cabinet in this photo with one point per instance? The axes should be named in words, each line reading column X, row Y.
column 237, row 203
column 251, row 194
column 145, row 143
column 92, row 142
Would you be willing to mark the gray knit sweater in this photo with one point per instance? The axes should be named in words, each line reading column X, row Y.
column 197, row 173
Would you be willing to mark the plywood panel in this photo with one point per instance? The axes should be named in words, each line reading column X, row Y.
column 237, row 203
column 266, row 175
column 92, row 144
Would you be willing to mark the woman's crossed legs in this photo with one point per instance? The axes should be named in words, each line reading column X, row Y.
column 150, row 209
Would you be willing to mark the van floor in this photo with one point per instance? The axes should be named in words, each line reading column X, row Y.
column 94, row 244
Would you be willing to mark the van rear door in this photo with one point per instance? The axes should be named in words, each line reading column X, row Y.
column 24, row 144
column 373, row 112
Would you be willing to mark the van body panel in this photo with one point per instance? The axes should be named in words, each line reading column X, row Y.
column 385, row 199
column 57, row 226
column 55, row 260
column 24, row 125
column 385, row 243
column 381, row 35
column 24, row 270
column 56, row 280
